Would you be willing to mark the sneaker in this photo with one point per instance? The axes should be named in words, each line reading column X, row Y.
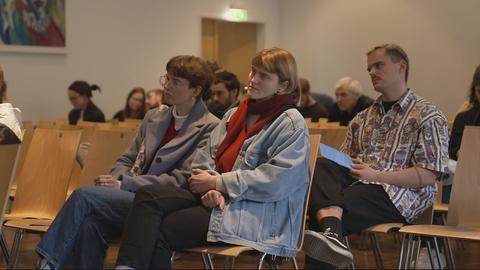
column 327, row 247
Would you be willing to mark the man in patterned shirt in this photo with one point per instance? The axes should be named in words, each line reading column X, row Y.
column 399, row 147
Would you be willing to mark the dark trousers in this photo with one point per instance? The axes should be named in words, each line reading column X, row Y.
column 162, row 219
column 363, row 205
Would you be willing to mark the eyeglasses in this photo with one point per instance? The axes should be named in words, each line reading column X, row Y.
column 72, row 98
column 175, row 82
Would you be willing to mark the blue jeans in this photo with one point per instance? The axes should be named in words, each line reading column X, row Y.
column 79, row 235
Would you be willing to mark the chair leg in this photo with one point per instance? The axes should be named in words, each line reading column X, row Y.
column 403, row 252
column 17, row 241
column 449, row 254
column 430, row 255
column 207, row 261
column 262, row 260
column 376, row 251
column 417, row 251
column 437, row 251
column 4, row 246
column 294, row 262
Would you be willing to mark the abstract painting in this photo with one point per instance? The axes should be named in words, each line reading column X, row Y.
column 32, row 23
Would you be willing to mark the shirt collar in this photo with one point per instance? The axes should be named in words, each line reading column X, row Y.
column 403, row 102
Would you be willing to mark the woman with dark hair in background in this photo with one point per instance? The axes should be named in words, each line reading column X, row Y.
column 79, row 94
column 135, row 106
column 469, row 117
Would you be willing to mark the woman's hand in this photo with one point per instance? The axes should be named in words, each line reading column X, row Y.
column 362, row 171
column 213, row 199
column 201, row 181
column 107, row 181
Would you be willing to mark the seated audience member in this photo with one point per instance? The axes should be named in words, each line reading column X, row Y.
column 154, row 98
column 80, row 94
column 135, row 107
column 323, row 99
column 401, row 148
column 309, row 107
column 349, row 101
column 469, row 117
column 161, row 153
column 10, row 117
column 255, row 160
column 223, row 93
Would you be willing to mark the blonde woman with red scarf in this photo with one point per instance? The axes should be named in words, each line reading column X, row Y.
column 248, row 183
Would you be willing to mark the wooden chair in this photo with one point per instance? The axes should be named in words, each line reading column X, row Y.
column 130, row 123
column 463, row 221
column 42, row 183
column 106, row 146
column 9, row 155
column 331, row 136
column 230, row 252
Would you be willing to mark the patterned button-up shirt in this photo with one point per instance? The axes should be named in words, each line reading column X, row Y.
column 412, row 133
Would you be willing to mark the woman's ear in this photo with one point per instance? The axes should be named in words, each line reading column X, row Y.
column 283, row 86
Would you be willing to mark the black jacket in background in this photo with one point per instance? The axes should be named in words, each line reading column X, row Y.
column 344, row 118
column 92, row 114
column 466, row 118
column 314, row 111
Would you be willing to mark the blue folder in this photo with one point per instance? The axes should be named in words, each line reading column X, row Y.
column 335, row 156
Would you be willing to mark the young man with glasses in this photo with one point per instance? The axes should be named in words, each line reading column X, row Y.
column 161, row 153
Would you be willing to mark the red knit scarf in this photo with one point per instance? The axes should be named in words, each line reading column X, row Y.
column 237, row 132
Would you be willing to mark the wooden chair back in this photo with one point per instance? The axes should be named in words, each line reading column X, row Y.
column 314, row 150
column 43, row 180
column 27, row 127
column 331, row 136
column 130, row 123
column 465, row 197
column 9, row 155
column 105, row 148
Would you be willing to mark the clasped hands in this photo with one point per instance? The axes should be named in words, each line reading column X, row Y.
column 203, row 182
column 362, row 171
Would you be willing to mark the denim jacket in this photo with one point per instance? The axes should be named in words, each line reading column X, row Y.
column 266, row 187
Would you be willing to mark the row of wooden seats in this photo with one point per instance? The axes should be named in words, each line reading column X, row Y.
column 47, row 173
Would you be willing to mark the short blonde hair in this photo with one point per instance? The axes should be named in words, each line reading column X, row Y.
column 282, row 63
column 352, row 85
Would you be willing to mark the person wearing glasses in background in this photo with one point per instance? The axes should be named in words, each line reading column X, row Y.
column 161, row 153
column 80, row 94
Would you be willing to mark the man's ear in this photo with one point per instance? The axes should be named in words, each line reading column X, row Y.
column 197, row 91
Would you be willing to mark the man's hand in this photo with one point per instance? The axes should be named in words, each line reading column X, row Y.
column 362, row 171
column 107, row 181
column 213, row 199
column 201, row 181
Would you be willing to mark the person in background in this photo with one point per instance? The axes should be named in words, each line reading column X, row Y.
column 323, row 99
column 162, row 152
column 349, row 101
column 135, row 107
column 224, row 93
column 10, row 117
column 80, row 94
column 469, row 117
column 155, row 98
column 309, row 107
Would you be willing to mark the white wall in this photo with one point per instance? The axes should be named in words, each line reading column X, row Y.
column 118, row 44
column 330, row 38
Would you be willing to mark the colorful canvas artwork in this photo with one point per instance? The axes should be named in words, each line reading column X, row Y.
column 32, row 23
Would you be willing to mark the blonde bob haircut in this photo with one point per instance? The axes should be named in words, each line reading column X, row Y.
column 282, row 63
